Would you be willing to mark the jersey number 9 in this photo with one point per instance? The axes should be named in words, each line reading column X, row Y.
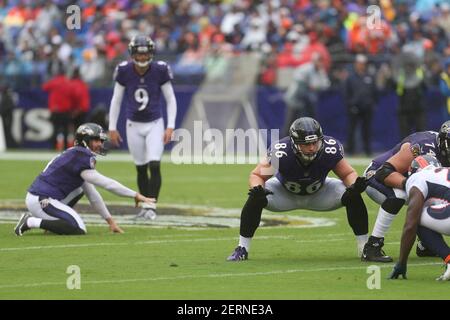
column 141, row 97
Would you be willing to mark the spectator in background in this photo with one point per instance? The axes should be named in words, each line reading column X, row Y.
column 255, row 34
column 230, row 20
column 360, row 93
column 444, row 86
column 410, row 88
column 81, row 99
column 444, row 19
column 93, row 66
column 59, row 104
column 8, row 101
column 302, row 94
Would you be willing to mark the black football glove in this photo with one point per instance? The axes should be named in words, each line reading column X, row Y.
column 399, row 269
column 354, row 191
column 259, row 192
column 359, row 185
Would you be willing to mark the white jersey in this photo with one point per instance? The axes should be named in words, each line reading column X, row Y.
column 432, row 182
column 434, row 185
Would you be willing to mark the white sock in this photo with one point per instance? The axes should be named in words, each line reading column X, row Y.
column 384, row 221
column 146, row 205
column 361, row 241
column 245, row 242
column 34, row 222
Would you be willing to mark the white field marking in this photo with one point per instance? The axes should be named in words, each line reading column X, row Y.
column 213, row 275
column 112, row 244
column 149, row 242
column 121, row 156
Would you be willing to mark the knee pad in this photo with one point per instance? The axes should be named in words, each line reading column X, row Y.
column 393, row 205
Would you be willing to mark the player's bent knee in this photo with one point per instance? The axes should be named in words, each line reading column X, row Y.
column 393, row 205
column 350, row 196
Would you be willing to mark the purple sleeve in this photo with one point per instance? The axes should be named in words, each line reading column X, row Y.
column 85, row 162
column 340, row 151
column 119, row 74
column 333, row 151
column 165, row 73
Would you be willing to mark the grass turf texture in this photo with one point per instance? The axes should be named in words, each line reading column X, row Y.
column 171, row 263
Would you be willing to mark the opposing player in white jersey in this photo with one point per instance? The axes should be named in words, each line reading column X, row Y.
column 428, row 215
column 139, row 83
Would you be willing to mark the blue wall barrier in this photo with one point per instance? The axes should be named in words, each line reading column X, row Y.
column 32, row 127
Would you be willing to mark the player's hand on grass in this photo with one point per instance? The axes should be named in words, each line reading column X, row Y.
column 399, row 269
column 115, row 138
column 113, row 226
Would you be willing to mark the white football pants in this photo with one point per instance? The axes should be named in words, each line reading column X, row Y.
column 145, row 140
column 328, row 198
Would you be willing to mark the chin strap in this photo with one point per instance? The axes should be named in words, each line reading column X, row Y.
column 142, row 64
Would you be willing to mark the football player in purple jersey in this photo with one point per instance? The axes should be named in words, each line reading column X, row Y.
column 138, row 87
column 295, row 176
column 65, row 179
column 386, row 177
column 428, row 214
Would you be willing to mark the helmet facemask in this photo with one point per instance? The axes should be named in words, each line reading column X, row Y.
column 88, row 132
column 142, row 64
column 305, row 131
column 102, row 150
column 304, row 158
column 142, row 45
column 444, row 143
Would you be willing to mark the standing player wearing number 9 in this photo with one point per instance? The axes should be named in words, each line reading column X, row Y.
column 139, row 84
column 295, row 176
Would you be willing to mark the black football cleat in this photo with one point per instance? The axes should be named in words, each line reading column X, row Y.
column 372, row 251
column 239, row 254
column 21, row 226
column 422, row 251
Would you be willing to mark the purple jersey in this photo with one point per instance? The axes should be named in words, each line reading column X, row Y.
column 300, row 179
column 142, row 93
column 421, row 143
column 62, row 174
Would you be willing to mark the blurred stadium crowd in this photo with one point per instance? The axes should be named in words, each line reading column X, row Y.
column 190, row 34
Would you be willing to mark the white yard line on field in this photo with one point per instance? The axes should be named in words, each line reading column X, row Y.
column 212, row 275
column 102, row 244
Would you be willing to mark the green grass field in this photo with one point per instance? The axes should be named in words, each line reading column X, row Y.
column 186, row 263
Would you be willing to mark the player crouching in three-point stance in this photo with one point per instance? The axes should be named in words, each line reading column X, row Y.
column 65, row 179
column 294, row 176
column 428, row 214
column 139, row 84
column 386, row 178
